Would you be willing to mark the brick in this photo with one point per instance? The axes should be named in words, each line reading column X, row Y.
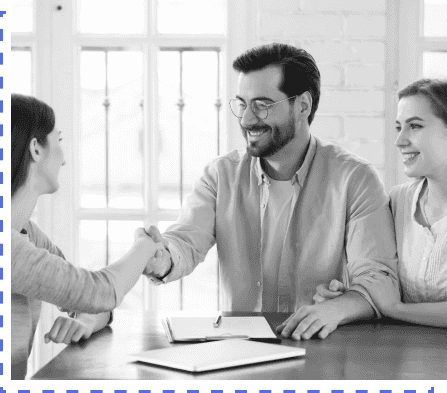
column 364, row 128
column 361, row 27
column 344, row 5
column 331, row 75
column 368, row 76
column 372, row 151
column 351, row 102
column 327, row 128
column 369, row 52
column 302, row 26
column 279, row 5
column 333, row 51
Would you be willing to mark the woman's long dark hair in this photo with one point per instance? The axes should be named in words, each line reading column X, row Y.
column 30, row 118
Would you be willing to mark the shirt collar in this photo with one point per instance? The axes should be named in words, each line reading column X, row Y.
column 300, row 175
column 417, row 195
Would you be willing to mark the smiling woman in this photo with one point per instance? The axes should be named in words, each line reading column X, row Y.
column 420, row 213
column 39, row 271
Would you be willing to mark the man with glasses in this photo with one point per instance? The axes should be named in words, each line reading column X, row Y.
column 289, row 213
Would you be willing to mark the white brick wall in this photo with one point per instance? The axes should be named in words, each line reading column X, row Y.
column 347, row 38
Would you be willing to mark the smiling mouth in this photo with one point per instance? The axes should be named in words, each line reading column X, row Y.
column 257, row 132
column 409, row 156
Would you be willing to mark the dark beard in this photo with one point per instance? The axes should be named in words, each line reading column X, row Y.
column 276, row 143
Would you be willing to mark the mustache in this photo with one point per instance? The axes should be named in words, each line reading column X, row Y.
column 256, row 128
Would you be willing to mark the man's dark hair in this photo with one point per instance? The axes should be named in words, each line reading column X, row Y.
column 299, row 70
column 30, row 118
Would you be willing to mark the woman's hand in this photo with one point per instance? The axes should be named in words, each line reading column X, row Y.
column 68, row 330
column 159, row 262
column 327, row 292
column 383, row 290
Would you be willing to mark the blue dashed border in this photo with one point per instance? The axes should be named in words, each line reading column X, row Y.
column 7, row 385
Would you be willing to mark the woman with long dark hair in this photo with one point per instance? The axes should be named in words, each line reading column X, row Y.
column 39, row 271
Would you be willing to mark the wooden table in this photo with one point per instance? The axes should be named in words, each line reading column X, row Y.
column 389, row 350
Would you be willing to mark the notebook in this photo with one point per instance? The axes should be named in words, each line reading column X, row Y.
column 180, row 329
column 217, row 355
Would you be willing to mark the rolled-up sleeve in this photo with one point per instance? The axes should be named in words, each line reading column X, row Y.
column 370, row 237
column 194, row 233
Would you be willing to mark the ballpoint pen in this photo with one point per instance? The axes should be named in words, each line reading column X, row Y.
column 216, row 323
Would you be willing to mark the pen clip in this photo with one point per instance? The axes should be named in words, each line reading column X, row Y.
column 225, row 336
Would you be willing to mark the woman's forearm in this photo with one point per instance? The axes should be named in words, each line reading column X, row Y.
column 431, row 314
column 128, row 269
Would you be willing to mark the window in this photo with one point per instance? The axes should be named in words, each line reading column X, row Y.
column 434, row 57
column 138, row 93
column 140, row 120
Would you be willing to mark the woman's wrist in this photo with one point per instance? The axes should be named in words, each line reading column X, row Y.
column 393, row 310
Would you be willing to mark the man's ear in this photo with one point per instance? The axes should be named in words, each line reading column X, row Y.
column 36, row 150
column 305, row 104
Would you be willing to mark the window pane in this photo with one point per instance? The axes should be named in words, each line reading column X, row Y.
column 21, row 71
column 197, row 122
column 200, row 114
column 168, row 130
column 92, row 244
column 112, row 16
column 126, row 129
column 92, row 163
column 111, row 148
column 191, row 17
column 120, row 241
column 434, row 65
column 22, row 16
column 435, row 17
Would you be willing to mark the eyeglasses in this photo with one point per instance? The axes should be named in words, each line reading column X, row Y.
column 258, row 107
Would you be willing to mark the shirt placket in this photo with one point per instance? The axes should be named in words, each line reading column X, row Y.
column 286, row 299
column 263, row 208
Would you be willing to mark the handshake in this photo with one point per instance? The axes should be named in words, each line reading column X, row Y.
column 159, row 264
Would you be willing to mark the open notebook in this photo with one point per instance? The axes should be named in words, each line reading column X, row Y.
column 217, row 355
column 202, row 329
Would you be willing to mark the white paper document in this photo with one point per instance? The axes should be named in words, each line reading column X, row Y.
column 202, row 329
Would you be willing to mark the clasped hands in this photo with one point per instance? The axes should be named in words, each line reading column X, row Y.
column 160, row 263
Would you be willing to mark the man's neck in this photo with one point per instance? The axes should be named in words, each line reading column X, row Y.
column 284, row 164
column 23, row 204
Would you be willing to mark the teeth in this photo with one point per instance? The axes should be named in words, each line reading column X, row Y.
column 256, row 133
column 409, row 156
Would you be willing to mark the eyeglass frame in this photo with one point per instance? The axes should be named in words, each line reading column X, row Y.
column 251, row 106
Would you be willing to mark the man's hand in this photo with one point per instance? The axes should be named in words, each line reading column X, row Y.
column 160, row 263
column 327, row 292
column 309, row 320
column 384, row 291
column 67, row 330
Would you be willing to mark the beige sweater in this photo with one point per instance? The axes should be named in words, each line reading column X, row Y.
column 40, row 273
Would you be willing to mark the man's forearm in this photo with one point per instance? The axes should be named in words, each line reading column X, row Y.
column 96, row 322
column 352, row 307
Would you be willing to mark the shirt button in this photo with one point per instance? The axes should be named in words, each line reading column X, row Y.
column 258, row 283
column 263, row 205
